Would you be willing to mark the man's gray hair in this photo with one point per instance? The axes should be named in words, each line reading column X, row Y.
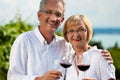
column 43, row 3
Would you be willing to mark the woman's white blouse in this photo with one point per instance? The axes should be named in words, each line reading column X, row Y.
column 99, row 67
column 31, row 56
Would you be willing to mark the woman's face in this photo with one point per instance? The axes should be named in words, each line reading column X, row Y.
column 77, row 35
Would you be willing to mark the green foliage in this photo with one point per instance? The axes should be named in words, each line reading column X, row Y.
column 95, row 43
column 115, row 52
column 58, row 33
column 8, row 34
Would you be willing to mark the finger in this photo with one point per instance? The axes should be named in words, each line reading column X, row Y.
column 109, row 60
column 50, row 77
column 55, row 74
column 104, row 51
column 106, row 55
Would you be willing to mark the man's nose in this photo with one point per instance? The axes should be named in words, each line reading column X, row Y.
column 54, row 17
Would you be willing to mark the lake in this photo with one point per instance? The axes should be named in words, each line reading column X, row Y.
column 108, row 40
column 108, row 36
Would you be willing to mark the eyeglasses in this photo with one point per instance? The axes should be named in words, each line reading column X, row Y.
column 80, row 30
column 49, row 12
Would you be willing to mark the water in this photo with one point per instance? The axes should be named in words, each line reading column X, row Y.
column 107, row 40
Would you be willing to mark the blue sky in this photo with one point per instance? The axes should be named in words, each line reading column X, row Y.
column 101, row 13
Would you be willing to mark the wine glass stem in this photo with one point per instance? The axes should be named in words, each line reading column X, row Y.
column 84, row 74
column 65, row 74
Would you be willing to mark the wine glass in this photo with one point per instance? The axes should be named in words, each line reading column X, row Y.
column 66, row 62
column 83, row 63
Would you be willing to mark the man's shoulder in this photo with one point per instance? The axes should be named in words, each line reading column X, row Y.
column 24, row 35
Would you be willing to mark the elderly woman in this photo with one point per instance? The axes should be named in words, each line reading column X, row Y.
column 78, row 31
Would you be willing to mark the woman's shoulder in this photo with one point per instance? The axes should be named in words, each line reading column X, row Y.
column 95, row 51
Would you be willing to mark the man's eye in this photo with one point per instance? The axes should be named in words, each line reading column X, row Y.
column 48, row 12
column 58, row 14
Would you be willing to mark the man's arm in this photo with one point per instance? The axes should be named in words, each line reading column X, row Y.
column 106, row 54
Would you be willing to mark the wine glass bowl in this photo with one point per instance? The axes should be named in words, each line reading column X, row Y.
column 83, row 67
column 65, row 65
column 83, row 63
column 66, row 62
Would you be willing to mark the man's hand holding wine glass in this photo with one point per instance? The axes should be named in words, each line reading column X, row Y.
column 50, row 75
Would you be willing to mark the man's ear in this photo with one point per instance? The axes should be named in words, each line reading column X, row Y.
column 38, row 14
column 62, row 19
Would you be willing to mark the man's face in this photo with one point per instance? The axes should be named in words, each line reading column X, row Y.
column 52, row 16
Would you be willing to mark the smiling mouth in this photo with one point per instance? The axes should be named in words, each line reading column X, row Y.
column 77, row 40
column 52, row 24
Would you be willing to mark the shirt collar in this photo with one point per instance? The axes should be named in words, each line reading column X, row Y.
column 41, row 38
column 39, row 35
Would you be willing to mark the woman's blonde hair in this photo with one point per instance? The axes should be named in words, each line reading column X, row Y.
column 75, row 20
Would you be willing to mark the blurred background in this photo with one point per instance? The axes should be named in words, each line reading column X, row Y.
column 103, row 14
column 17, row 16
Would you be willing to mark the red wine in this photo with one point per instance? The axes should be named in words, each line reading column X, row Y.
column 83, row 67
column 65, row 65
